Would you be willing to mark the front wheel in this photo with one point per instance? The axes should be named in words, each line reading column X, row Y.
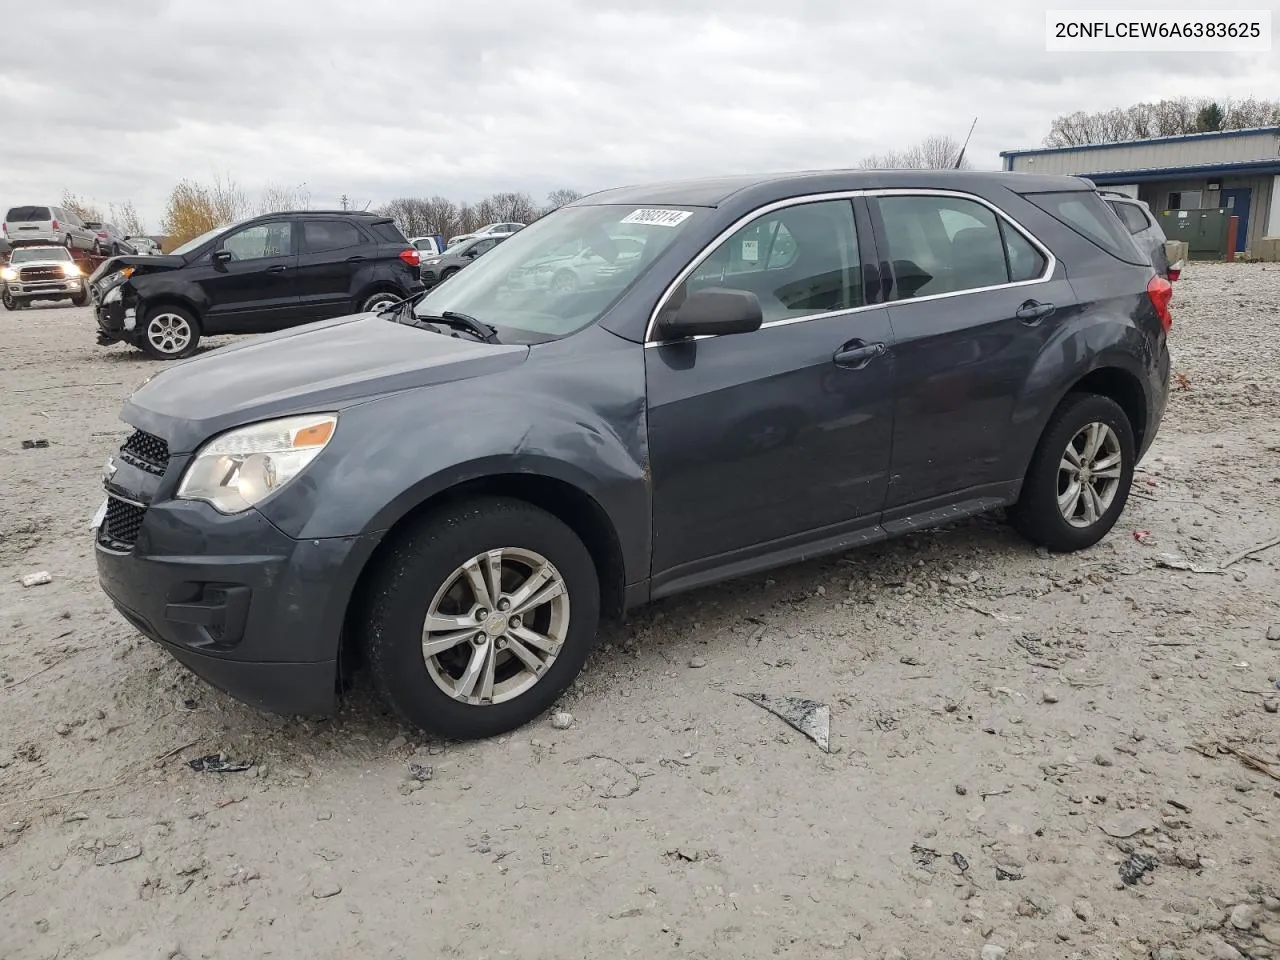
column 1079, row 479
column 481, row 615
column 170, row 333
column 10, row 301
column 81, row 299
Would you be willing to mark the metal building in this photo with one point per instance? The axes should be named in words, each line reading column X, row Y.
column 1234, row 169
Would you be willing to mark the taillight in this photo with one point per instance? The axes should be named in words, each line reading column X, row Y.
column 55, row 225
column 1160, row 291
column 1175, row 271
column 411, row 257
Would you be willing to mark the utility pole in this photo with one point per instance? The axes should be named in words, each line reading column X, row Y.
column 346, row 201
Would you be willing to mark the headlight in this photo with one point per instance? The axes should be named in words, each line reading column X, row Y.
column 113, row 295
column 8, row 273
column 240, row 468
column 70, row 270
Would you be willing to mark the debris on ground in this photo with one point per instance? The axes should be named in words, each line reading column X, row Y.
column 697, row 663
column 36, row 579
column 40, row 444
column 1135, row 867
column 562, row 720
column 420, row 772
column 1172, row 561
column 810, row 717
column 217, row 763
column 1142, row 536
column 118, row 853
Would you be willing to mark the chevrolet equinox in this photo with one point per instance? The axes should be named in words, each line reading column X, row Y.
column 451, row 491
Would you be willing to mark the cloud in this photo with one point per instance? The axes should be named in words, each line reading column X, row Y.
column 377, row 99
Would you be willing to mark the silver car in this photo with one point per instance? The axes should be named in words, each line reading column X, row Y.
column 1147, row 234
column 47, row 225
column 42, row 273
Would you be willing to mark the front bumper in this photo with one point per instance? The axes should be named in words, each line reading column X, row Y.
column 243, row 606
column 53, row 289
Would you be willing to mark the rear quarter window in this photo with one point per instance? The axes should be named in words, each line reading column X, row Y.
column 27, row 214
column 1087, row 215
column 388, row 232
column 1131, row 216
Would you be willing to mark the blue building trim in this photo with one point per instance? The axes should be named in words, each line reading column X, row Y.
column 1248, row 168
column 1219, row 134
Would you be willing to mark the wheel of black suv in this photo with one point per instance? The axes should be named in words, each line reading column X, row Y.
column 376, row 301
column 170, row 333
column 1080, row 476
column 480, row 617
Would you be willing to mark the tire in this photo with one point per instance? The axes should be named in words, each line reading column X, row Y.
column 70, row 242
column 378, row 300
column 9, row 301
column 1039, row 514
column 449, row 273
column 423, row 572
column 169, row 319
column 80, row 299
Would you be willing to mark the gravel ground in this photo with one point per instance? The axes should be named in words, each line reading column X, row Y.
column 1012, row 733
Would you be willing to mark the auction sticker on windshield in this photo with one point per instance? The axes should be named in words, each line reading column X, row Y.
column 658, row 218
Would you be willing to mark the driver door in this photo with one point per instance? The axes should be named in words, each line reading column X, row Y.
column 256, row 289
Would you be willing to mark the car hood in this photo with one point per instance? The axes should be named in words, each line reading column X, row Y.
column 144, row 263
column 321, row 366
column 42, row 262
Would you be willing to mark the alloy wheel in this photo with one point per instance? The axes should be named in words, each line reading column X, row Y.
column 169, row 333
column 496, row 626
column 1089, row 474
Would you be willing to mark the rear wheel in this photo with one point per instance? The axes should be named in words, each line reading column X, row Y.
column 377, row 301
column 170, row 333
column 481, row 616
column 1080, row 476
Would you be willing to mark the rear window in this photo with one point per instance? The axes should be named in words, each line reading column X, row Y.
column 1086, row 213
column 28, row 214
column 388, row 232
column 1131, row 216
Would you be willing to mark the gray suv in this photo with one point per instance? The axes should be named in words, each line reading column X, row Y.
column 452, row 491
column 1144, row 228
column 47, row 225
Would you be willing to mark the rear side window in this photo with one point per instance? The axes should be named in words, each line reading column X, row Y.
column 1086, row 213
column 949, row 244
column 28, row 214
column 1131, row 216
column 321, row 235
column 388, row 232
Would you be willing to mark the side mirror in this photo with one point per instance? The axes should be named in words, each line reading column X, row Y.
column 713, row 311
column 221, row 256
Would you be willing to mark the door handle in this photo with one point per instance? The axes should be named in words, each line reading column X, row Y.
column 278, row 268
column 356, row 259
column 1033, row 311
column 855, row 355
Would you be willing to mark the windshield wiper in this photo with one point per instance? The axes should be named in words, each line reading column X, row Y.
column 463, row 321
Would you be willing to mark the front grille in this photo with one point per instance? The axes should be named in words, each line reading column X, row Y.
column 121, row 524
column 40, row 274
column 147, row 452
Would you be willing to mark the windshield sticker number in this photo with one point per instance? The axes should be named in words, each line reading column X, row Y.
column 750, row 251
column 658, row 218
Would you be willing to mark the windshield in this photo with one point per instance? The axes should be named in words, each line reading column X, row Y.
column 202, row 239
column 560, row 274
column 31, row 254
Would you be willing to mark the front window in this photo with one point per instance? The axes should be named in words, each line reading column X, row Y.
column 200, row 241
column 261, row 241
column 560, row 274
column 32, row 254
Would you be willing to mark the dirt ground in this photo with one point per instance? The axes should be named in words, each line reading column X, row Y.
column 1011, row 733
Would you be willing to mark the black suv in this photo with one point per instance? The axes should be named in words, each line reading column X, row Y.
column 454, row 491
column 259, row 275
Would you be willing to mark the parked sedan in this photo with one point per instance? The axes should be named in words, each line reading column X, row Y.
column 451, row 494
column 438, row 269
column 110, row 241
column 490, row 230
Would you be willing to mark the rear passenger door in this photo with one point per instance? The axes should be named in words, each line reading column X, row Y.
column 762, row 443
column 332, row 255
column 973, row 303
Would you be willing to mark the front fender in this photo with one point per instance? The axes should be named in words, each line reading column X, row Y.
column 393, row 453
column 154, row 288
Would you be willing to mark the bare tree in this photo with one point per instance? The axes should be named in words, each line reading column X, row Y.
column 1164, row 118
column 562, row 197
column 512, row 207
column 125, row 216
column 931, row 153
column 277, row 197
column 82, row 208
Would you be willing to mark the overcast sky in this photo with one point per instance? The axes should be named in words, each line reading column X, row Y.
column 382, row 98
